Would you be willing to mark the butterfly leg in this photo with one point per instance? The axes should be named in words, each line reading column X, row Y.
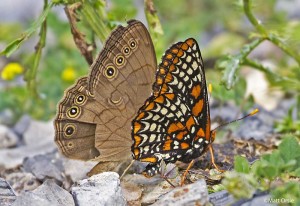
column 186, row 172
column 127, row 168
column 211, row 150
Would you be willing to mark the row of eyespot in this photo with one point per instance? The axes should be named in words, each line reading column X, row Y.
column 110, row 71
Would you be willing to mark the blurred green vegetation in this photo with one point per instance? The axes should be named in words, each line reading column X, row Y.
column 278, row 172
column 224, row 29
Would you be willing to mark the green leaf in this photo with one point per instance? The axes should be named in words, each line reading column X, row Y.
column 274, row 158
column 269, row 171
column 231, row 64
column 14, row 45
column 289, row 192
column 297, row 172
column 240, row 185
column 289, row 148
column 241, row 164
column 263, row 168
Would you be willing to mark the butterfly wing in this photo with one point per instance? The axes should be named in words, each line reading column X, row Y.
column 120, row 79
column 72, row 135
column 174, row 123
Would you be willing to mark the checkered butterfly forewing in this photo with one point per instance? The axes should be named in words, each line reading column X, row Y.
column 174, row 123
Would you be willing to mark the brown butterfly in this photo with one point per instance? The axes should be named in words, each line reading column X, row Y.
column 93, row 120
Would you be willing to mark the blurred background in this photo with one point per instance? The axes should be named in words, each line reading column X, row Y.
column 33, row 79
column 251, row 53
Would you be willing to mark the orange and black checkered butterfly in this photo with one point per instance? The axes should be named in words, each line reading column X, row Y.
column 174, row 123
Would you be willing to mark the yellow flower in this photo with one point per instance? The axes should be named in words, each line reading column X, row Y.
column 11, row 70
column 69, row 74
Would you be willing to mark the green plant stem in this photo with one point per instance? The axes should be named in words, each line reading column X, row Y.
column 155, row 27
column 30, row 75
column 284, row 47
column 252, row 19
column 96, row 21
column 254, row 64
column 268, row 36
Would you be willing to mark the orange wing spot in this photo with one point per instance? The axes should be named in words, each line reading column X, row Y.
column 164, row 88
column 170, row 96
column 196, row 91
column 171, row 68
column 165, row 63
column 162, row 71
column 184, row 145
column 167, row 145
column 160, row 99
column 150, row 106
column 185, row 46
column 197, row 108
column 136, row 152
column 200, row 133
column 137, row 140
column 136, row 127
column 180, row 135
column 174, row 50
column 169, row 56
column 175, row 127
column 140, row 116
column 190, row 123
column 149, row 159
column 176, row 60
column 169, row 78
column 146, row 103
column 159, row 80
column 190, row 42
column 180, row 53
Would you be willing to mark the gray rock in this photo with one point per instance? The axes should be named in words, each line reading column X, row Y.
column 48, row 194
column 77, row 169
column 44, row 166
column 22, row 125
column 224, row 113
column 221, row 198
column 38, row 139
column 192, row 194
column 22, row 181
column 7, row 195
column 224, row 198
column 256, row 126
column 6, row 115
column 7, row 137
column 261, row 200
column 101, row 189
column 39, row 132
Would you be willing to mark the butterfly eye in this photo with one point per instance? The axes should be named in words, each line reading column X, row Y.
column 73, row 112
column 126, row 50
column 132, row 44
column 110, row 72
column 80, row 99
column 69, row 130
column 120, row 60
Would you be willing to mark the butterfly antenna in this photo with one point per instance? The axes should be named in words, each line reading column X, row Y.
column 248, row 115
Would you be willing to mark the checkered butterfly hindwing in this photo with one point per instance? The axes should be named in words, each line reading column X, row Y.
column 174, row 123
